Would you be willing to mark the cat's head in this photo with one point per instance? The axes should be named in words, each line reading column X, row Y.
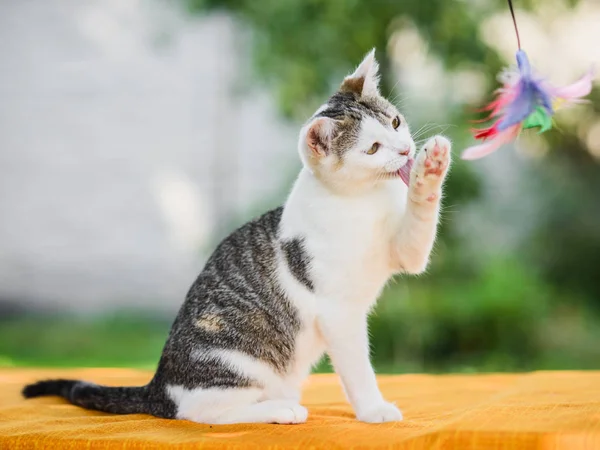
column 358, row 138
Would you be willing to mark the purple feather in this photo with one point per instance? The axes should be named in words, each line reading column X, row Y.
column 523, row 64
column 530, row 94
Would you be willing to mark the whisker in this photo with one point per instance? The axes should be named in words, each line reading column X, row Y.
column 421, row 130
column 394, row 87
column 428, row 125
column 428, row 128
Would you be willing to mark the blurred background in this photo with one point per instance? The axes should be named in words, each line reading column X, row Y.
column 135, row 134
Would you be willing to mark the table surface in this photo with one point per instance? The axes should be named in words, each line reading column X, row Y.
column 540, row 410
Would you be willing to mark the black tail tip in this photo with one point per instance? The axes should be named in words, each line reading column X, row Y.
column 48, row 387
column 33, row 390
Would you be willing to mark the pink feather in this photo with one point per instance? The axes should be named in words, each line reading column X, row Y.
column 580, row 88
column 503, row 137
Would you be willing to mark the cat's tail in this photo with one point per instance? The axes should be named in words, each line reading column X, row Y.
column 116, row 400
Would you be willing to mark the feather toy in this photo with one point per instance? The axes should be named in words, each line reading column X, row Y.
column 524, row 101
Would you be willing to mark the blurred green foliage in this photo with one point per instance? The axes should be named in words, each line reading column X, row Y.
column 123, row 339
column 503, row 318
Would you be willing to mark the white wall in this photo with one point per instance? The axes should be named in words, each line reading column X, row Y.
column 122, row 147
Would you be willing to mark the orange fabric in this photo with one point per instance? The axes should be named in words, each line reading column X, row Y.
column 543, row 410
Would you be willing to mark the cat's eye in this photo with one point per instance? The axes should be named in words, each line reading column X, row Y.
column 396, row 122
column 373, row 148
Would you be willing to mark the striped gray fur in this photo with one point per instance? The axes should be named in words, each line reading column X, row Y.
column 298, row 261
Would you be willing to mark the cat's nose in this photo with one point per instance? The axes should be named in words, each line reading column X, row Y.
column 404, row 150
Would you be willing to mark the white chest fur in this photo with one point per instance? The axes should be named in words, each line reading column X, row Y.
column 348, row 240
column 347, row 237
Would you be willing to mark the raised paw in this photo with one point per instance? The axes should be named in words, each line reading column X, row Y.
column 289, row 413
column 379, row 413
column 430, row 170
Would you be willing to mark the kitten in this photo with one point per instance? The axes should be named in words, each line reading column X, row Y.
column 300, row 280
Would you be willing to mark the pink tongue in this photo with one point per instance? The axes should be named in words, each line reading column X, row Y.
column 404, row 171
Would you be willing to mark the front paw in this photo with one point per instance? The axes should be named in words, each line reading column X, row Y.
column 379, row 413
column 430, row 170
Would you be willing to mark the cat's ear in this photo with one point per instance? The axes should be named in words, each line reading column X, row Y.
column 365, row 79
column 316, row 137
